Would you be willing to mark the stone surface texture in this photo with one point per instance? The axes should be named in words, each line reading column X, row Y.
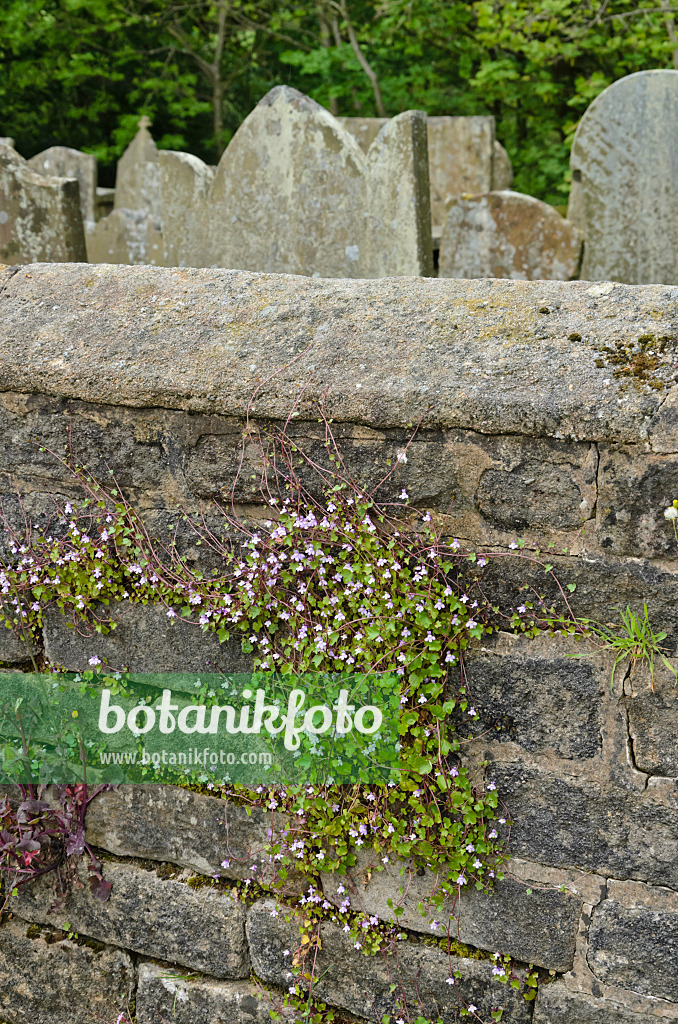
column 63, row 162
column 507, row 234
column 624, row 173
column 144, row 639
column 633, row 939
column 46, row 979
column 40, row 218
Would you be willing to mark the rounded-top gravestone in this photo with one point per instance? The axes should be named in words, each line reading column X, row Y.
column 624, row 195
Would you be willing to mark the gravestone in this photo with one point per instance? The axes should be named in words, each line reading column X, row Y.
column 125, row 236
column 460, row 155
column 624, row 194
column 502, row 169
column 63, row 162
column 294, row 193
column 185, row 185
column 463, row 157
column 40, row 218
column 508, row 235
column 137, row 181
column 132, row 232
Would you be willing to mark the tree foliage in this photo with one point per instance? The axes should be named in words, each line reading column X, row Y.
column 81, row 72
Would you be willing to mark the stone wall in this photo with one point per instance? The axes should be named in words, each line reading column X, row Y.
column 547, row 411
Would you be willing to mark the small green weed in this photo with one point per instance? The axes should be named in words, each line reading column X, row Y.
column 637, row 641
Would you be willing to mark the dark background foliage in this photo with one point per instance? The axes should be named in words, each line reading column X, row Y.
column 81, row 72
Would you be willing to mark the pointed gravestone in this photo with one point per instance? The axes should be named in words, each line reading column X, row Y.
column 624, row 194
column 63, row 162
column 294, row 193
column 132, row 233
column 509, row 235
column 137, row 181
column 40, row 218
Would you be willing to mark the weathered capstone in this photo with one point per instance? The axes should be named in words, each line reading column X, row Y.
column 633, row 939
column 137, row 180
column 148, row 913
column 532, row 923
column 125, row 236
column 293, row 193
column 40, row 219
column 624, row 195
column 507, row 234
column 166, row 823
column 166, row 995
column 372, row 986
column 502, row 168
column 464, row 355
column 45, row 979
column 63, row 162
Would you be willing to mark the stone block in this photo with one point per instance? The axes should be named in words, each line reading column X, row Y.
column 539, row 928
column 634, row 488
column 202, row 929
column 46, row 979
column 63, row 162
column 462, row 355
column 144, row 640
column 40, row 219
column 633, row 939
column 556, row 1004
column 653, row 721
column 569, row 821
column 163, row 995
column 167, row 823
column 372, row 986
column 506, row 234
column 543, row 695
column 624, row 174
column 14, row 650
